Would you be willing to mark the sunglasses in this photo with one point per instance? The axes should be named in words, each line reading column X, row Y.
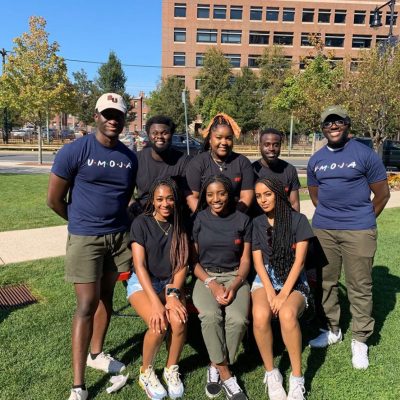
column 339, row 122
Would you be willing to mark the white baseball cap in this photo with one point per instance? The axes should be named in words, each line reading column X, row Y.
column 111, row 100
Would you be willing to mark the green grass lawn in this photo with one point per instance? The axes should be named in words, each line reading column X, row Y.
column 35, row 341
column 23, row 199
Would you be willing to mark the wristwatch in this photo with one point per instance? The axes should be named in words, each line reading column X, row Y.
column 208, row 280
column 171, row 291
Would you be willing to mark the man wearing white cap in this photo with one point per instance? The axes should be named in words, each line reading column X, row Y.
column 91, row 183
column 340, row 178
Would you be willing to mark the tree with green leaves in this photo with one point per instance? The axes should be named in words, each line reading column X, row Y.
column 35, row 82
column 167, row 100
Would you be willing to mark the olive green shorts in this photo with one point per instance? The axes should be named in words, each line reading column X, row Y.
column 88, row 257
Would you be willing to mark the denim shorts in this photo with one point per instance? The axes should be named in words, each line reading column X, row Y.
column 277, row 284
column 135, row 286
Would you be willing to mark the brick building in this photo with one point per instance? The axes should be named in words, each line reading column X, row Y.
column 243, row 28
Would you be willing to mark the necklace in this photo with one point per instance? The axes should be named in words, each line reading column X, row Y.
column 220, row 164
column 159, row 225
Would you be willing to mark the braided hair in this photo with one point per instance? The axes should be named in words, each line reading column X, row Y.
column 218, row 120
column 283, row 254
column 226, row 182
column 179, row 253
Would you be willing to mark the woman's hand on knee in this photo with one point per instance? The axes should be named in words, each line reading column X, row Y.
column 175, row 307
column 158, row 322
column 278, row 301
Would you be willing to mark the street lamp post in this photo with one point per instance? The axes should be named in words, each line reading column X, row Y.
column 186, row 120
column 377, row 20
column 3, row 53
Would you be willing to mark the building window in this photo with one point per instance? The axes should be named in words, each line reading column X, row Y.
column 179, row 59
column 180, row 10
column 228, row 36
column 236, row 12
column 255, row 13
column 335, row 61
column 334, row 40
column 199, row 59
column 203, row 11
column 181, row 78
column 219, row 12
column 135, row 104
column 179, row 34
column 359, row 17
column 308, row 15
column 305, row 39
column 234, row 60
column 324, row 16
column 340, row 16
column 206, row 35
column 272, row 14
column 354, row 64
column 197, row 84
column 288, row 14
column 361, row 41
column 283, row 38
column 304, row 61
column 254, row 60
column 387, row 21
column 259, row 37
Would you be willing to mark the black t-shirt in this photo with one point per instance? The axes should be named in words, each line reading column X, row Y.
column 236, row 167
column 301, row 230
column 146, row 232
column 221, row 239
column 149, row 170
column 282, row 171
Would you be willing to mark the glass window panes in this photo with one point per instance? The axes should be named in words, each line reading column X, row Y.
column 199, row 59
column 288, row 14
column 179, row 34
column 203, row 11
column 258, row 37
column 308, row 15
column 324, row 16
column 253, row 60
column 334, row 40
column 255, row 13
column 236, row 12
column 180, row 10
column 219, row 12
column 179, row 59
column 272, row 14
column 181, row 78
column 361, row 41
column 388, row 17
column 197, row 84
column 340, row 16
column 359, row 17
column 231, row 36
column 234, row 60
column 206, row 36
column 283, row 38
column 305, row 39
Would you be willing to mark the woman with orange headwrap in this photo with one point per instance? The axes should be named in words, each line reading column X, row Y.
column 218, row 158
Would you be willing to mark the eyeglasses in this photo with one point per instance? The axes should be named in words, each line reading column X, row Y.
column 339, row 122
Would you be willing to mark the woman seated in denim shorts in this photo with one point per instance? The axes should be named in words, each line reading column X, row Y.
column 222, row 237
column 280, row 289
column 155, row 290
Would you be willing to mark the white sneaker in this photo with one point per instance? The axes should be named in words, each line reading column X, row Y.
column 273, row 384
column 325, row 339
column 173, row 381
column 232, row 390
column 106, row 363
column 213, row 385
column 296, row 388
column 360, row 354
column 78, row 394
column 151, row 385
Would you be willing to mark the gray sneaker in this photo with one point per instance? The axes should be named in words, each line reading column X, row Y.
column 106, row 363
column 232, row 390
column 213, row 385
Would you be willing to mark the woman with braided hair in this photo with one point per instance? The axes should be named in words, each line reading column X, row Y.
column 218, row 158
column 222, row 237
column 280, row 289
column 159, row 246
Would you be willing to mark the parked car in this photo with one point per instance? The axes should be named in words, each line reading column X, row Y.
column 365, row 140
column 179, row 142
column 390, row 153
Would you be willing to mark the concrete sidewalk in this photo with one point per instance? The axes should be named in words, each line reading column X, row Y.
column 34, row 244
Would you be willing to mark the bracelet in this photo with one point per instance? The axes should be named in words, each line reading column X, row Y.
column 171, row 291
column 208, row 280
column 173, row 295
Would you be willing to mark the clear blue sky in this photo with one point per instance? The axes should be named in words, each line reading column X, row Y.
column 89, row 30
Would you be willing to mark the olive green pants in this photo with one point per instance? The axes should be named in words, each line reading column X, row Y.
column 223, row 327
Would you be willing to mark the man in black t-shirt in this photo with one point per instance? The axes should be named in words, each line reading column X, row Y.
column 160, row 160
column 271, row 166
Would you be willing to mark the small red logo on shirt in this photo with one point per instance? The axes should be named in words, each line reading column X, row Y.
column 238, row 241
column 237, row 178
column 287, row 189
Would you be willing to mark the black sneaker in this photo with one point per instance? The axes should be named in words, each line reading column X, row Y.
column 213, row 386
column 233, row 390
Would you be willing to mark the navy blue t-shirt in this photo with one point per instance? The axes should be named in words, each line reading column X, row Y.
column 102, row 181
column 343, row 177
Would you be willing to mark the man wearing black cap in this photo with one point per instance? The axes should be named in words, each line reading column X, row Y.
column 340, row 178
column 91, row 183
